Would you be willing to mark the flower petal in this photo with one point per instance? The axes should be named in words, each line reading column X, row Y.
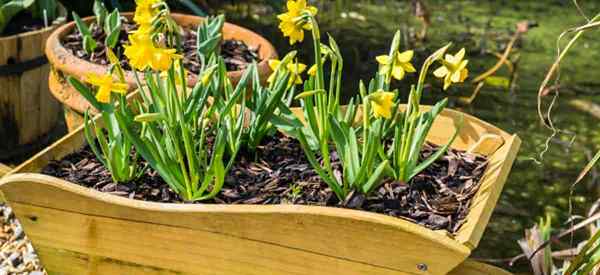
column 274, row 63
column 313, row 70
column 441, row 72
column 464, row 73
column 459, row 55
column 406, row 56
column 103, row 95
column 398, row 72
column 447, row 81
column 408, row 67
column 455, row 77
column 383, row 59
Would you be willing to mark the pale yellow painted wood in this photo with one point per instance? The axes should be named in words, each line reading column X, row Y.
column 4, row 169
column 341, row 233
column 492, row 182
column 354, row 238
column 471, row 267
column 486, row 145
column 173, row 248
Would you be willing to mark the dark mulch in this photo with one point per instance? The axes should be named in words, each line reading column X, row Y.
column 236, row 54
column 23, row 22
column 278, row 173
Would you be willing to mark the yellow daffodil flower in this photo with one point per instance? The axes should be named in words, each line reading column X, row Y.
column 163, row 58
column 453, row 69
column 106, row 85
column 292, row 25
column 399, row 66
column 313, row 70
column 294, row 68
column 165, row 74
column 140, row 52
column 143, row 54
column 145, row 11
column 382, row 103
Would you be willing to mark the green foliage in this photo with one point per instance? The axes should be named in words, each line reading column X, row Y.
column 209, row 35
column 361, row 148
column 8, row 9
column 110, row 146
column 173, row 127
column 109, row 22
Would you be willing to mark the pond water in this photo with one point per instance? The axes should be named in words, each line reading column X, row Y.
column 537, row 186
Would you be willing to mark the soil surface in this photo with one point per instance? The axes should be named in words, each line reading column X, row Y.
column 278, row 173
column 23, row 22
column 236, row 54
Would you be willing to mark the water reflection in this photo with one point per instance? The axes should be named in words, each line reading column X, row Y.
column 364, row 28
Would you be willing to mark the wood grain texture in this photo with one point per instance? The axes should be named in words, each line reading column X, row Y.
column 4, row 169
column 471, row 267
column 27, row 111
column 98, row 229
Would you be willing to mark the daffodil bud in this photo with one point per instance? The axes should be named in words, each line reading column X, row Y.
column 207, row 75
column 149, row 117
column 309, row 93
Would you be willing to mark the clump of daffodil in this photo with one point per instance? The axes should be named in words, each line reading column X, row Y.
column 453, row 69
column 295, row 69
column 382, row 103
column 295, row 21
column 397, row 64
column 106, row 85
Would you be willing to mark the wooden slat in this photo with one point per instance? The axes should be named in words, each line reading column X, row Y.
column 357, row 236
column 26, row 107
column 4, row 169
column 105, row 245
column 471, row 267
column 491, row 185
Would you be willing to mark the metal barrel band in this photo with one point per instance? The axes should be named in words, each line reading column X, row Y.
column 19, row 68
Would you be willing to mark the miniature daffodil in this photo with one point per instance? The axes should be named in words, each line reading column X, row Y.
column 453, row 69
column 145, row 11
column 313, row 70
column 143, row 54
column 163, row 58
column 292, row 22
column 399, row 64
column 295, row 70
column 140, row 52
column 106, row 85
column 382, row 103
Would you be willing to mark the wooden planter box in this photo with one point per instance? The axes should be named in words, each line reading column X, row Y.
column 76, row 230
column 65, row 64
column 27, row 109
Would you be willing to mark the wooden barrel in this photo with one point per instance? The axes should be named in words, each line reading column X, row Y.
column 27, row 109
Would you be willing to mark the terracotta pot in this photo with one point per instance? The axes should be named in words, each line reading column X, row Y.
column 75, row 229
column 27, row 110
column 66, row 64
